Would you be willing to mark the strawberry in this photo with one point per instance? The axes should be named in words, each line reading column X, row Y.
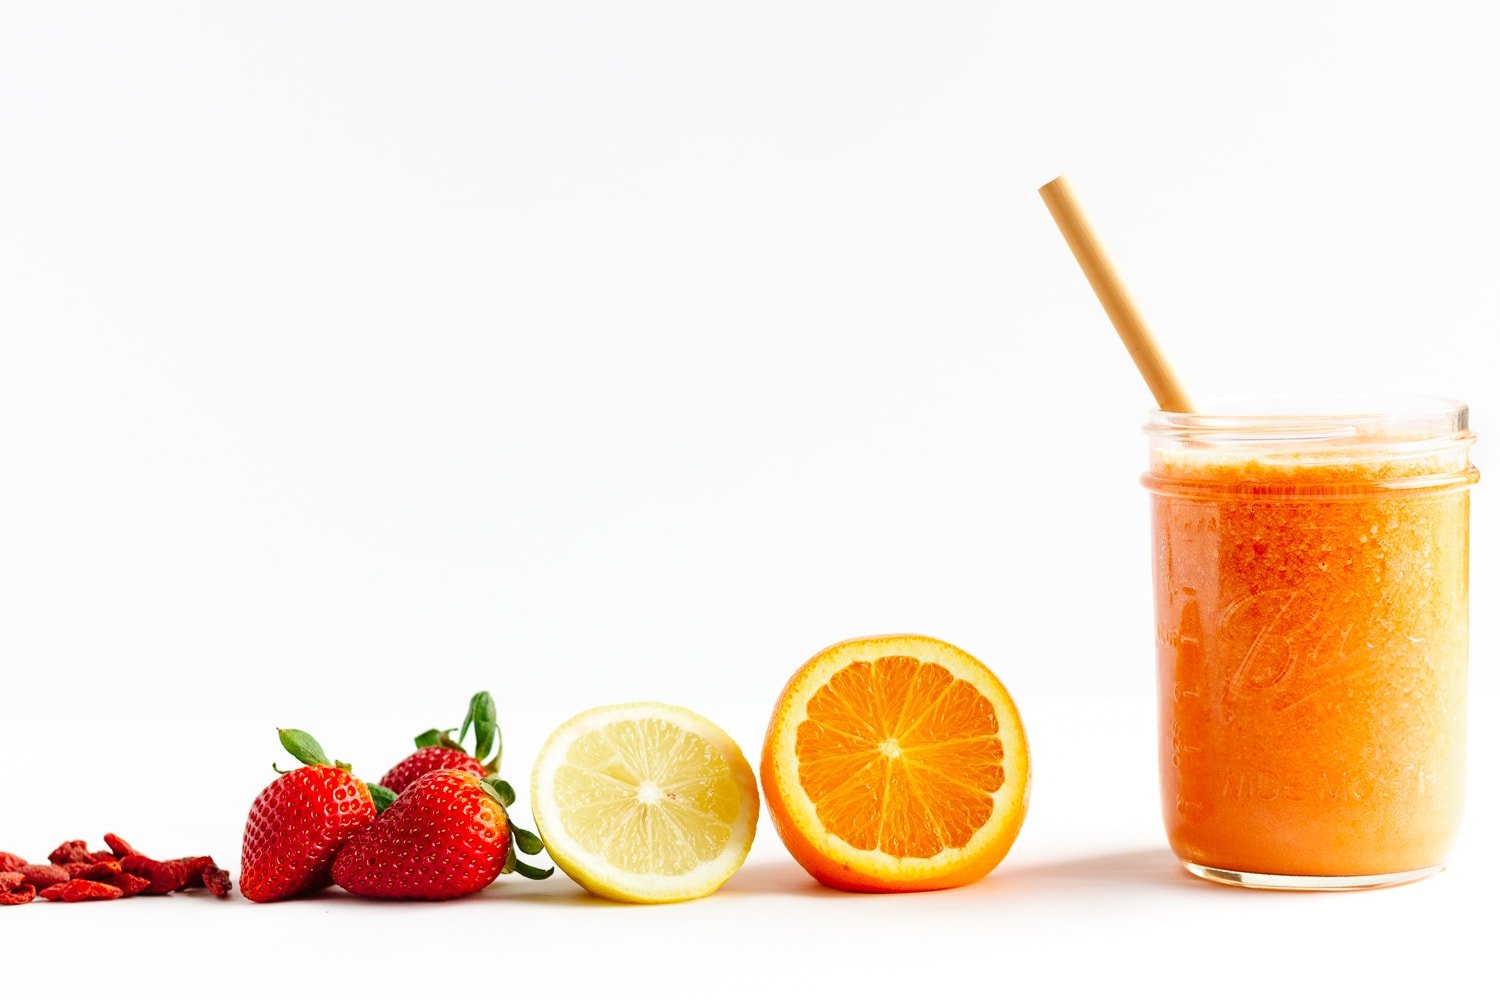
column 437, row 750
column 446, row 836
column 299, row 821
column 430, row 758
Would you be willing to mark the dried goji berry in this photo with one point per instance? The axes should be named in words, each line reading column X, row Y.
column 119, row 845
column 17, row 897
column 131, row 885
column 169, row 877
column 216, row 880
column 101, row 871
column 84, row 891
column 193, row 869
column 42, row 876
column 165, row 876
column 70, row 851
column 81, row 891
column 109, row 873
column 77, row 874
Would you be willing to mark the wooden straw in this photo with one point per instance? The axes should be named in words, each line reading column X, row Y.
column 1113, row 297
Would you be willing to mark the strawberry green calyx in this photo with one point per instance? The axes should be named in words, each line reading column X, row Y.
column 481, row 718
column 501, row 790
column 515, row 864
column 309, row 751
column 381, row 796
column 524, row 840
column 481, row 715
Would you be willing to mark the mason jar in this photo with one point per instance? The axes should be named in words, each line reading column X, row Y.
column 1311, row 584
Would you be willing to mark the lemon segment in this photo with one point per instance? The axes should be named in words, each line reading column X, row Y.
column 646, row 803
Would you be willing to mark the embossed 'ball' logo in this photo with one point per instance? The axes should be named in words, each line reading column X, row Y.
column 1295, row 642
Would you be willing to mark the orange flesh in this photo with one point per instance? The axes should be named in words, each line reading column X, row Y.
column 901, row 757
column 1312, row 657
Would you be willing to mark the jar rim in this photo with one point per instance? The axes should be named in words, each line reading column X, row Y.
column 1344, row 421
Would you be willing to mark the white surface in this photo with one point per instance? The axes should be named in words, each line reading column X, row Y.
column 355, row 356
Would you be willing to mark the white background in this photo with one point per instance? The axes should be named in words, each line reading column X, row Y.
column 357, row 356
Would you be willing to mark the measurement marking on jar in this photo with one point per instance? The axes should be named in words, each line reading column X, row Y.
column 1186, row 733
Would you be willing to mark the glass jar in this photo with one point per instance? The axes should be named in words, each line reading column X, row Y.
column 1311, row 579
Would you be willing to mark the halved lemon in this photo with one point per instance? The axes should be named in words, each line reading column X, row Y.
column 896, row 763
column 645, row 803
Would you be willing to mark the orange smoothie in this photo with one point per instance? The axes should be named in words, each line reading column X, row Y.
column 1312, row 642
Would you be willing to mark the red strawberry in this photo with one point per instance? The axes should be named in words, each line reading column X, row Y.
column 438, row 751
column 298, row 823
column 446, row 836
column 428, row 759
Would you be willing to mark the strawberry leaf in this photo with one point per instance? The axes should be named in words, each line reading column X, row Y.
column 463, row 730
column 526, row 841
column 527, row 871
column 515, row 864
column 431, row 738
column 486, row 732
column 303, row 747
column 381, row 796
column 501, row 790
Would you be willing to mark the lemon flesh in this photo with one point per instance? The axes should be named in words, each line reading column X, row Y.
column 645, row 803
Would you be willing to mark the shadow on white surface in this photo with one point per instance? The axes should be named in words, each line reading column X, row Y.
column 1153, row 867
column 556, row 891
column 1097, row 876
column 781, row 878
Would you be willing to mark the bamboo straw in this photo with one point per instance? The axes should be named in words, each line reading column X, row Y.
column 1112, row 295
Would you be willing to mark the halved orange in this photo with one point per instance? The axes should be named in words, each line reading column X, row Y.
column 894, row 764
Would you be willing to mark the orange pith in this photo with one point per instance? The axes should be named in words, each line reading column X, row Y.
column 900, row 756
column 896, row 764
